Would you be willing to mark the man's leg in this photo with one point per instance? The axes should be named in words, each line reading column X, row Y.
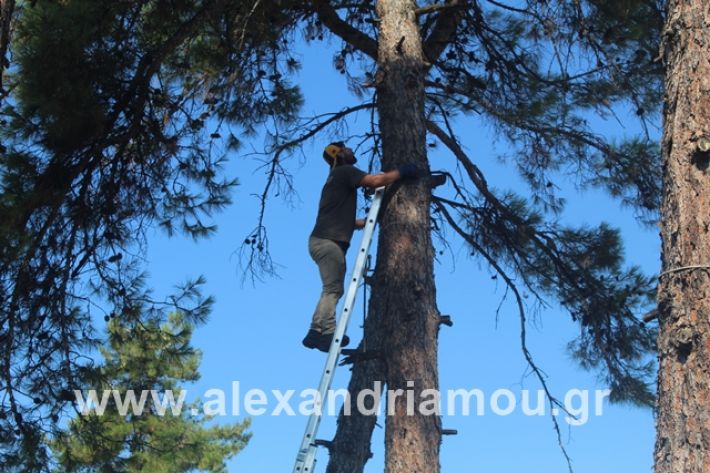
column 331, row 264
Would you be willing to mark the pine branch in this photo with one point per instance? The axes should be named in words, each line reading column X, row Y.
column 152, row 60
column 356, row 38
column 258, row 260
column 474, row 173
column 553, row 401
column 444, row 30
column 57, row 178
column 54, row 240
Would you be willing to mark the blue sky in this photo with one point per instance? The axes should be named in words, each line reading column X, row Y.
column 254, row 333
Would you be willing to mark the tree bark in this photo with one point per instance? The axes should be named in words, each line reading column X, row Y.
column 350, row 449
column 683, row 421
column 405, row 286
column 403, row 320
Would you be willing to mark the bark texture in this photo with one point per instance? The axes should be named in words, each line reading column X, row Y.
column 683, row 422
column 403, row 320
column 351, row 449
column 405, row 279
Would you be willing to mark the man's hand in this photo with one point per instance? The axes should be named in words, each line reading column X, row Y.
column 405, row 171
column 409, row 171
column 360, row 223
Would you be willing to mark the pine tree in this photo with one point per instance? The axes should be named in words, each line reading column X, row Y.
column 95, row 154
column 683, row 420
column 144, row 355
column 117, row 107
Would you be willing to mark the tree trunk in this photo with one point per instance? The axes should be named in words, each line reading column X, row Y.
column 403, row 320
column 405, row 277
column 683, row 422
column 351, row 445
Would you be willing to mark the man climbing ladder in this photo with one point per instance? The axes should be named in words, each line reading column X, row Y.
column 333, row 230
column 305, row 461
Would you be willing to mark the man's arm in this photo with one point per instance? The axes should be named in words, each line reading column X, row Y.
column 379, row 180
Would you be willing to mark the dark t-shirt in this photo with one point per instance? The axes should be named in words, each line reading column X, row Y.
column 338, row 203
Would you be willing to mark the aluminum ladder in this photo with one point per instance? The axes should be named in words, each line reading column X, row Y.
column 306, row 458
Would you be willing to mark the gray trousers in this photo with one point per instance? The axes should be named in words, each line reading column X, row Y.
column 330, row 259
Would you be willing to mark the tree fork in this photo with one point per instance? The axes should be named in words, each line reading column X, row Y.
column 683, row 421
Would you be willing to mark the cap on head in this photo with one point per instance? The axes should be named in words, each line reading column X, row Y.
column 330, row 153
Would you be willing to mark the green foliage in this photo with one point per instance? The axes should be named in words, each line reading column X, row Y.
column 96, row 151
column 146, row 354
column 630, row 172
column 538, row 75
column 582, row 269
column 67, row 109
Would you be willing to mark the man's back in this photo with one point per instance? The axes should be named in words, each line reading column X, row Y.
column 338, row 203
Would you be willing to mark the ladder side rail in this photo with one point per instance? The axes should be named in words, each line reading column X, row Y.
column 333, row 353
column 306, row 455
